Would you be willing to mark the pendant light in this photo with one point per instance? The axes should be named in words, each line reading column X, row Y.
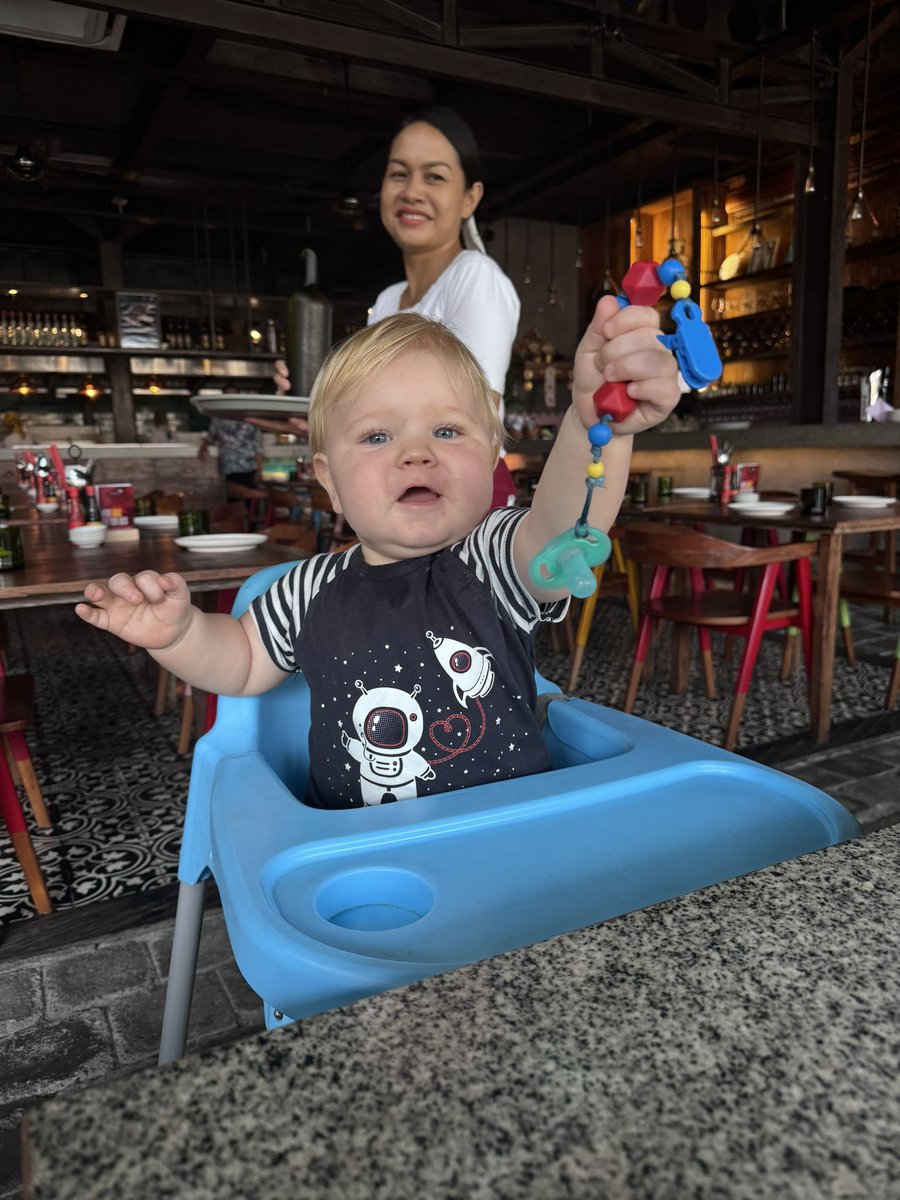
column 756, row 237
column 608, row 286
column 526, row 277
column 639, row 220
column 862, row 225
column 551, row 289
column 809, row 185
column 715, row 212
column 676, row 245
column 579, row 251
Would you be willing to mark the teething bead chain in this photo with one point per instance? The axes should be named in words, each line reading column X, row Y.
column 599, row 436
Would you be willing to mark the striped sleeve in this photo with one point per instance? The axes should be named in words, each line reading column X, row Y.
column 488, row 551
column 279, row 612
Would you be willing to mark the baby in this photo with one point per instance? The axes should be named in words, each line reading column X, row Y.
column 417, row 644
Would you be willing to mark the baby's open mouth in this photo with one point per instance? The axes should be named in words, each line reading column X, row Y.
column 418, row 495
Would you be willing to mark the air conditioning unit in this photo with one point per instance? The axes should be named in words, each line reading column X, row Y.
column 51, row 21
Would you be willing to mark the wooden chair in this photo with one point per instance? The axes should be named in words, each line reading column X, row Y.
column 257, row 502
column 741, row 613
column 621, row 580
column 16, row 711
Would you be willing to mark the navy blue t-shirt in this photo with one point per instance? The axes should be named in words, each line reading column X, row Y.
column 421, row 672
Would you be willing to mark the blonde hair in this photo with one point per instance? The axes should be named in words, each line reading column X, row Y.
column 352, row 363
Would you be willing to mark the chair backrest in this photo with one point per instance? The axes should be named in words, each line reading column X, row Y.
column 671, row 546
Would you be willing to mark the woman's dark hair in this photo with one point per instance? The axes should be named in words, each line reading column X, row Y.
column 457, row 132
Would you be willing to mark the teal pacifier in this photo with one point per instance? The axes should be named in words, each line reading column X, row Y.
column 568, row 561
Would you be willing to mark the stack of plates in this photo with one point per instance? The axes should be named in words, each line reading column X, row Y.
column 220, row 543
column 763, row 508
column 162, row 524
column 691, row 493
column 864, row 501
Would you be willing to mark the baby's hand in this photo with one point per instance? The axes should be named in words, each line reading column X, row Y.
column 150, row 610
column 622, row 344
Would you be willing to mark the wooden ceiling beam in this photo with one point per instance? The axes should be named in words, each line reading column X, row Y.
column 254, row 23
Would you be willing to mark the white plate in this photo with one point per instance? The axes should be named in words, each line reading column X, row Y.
column 698, row 493
column 220, row 543
column 161, row 522
column 864, row 501
column 239, row 407
column 764, row 508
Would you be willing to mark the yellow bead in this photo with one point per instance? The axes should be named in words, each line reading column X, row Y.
column 595, row 470
column 680, row 289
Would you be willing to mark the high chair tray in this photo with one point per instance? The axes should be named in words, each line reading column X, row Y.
column 358, row 901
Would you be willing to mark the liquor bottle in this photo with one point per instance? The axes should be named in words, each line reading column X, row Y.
column 308, row 334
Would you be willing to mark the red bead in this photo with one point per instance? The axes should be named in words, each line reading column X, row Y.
column 613, row 399
column 641, row 283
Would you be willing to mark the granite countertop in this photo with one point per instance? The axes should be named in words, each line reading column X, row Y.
column 742, row 1041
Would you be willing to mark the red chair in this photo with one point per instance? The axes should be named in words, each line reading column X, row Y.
column 746, row 614
column 16, row 708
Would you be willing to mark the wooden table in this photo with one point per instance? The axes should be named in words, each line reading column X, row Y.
column 839, row 523
column 56, row 572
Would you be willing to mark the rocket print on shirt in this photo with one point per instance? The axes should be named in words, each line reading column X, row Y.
column 389, row 724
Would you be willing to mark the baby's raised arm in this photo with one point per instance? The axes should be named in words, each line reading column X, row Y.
column 212, row 651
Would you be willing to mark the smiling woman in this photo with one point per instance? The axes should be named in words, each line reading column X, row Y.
column 431, row 188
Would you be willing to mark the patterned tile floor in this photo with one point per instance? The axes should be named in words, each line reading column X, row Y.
column 116, row 787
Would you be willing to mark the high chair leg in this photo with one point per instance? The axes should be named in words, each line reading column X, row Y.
column 187, row 720
column 162, row 688
column 182, row 970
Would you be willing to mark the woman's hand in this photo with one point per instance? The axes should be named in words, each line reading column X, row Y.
column 622, row 345
column 298, row 426
column 281, row 377
column 150, row 610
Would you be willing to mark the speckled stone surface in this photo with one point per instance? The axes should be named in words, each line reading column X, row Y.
column 741, row 1042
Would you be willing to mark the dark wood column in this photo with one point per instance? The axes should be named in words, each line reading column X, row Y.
column 117, row 365
column 818, row 303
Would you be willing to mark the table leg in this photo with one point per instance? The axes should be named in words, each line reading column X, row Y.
column 831, row 549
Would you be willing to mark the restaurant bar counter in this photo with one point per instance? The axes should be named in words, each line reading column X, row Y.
column 738, row 1042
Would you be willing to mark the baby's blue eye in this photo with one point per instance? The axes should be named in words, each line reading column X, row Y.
column 376, row 439
column 446, row 431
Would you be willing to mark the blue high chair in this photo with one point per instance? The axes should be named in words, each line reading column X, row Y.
column 326, row 907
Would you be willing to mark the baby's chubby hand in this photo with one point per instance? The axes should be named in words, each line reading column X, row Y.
column 622, row 345
column 148, row 610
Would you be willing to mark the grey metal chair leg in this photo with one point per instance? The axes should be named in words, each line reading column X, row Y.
column 182, row 969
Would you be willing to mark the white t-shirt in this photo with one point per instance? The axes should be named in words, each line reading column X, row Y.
column 475, row 300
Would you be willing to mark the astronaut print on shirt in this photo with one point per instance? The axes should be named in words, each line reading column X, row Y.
column 389, row 725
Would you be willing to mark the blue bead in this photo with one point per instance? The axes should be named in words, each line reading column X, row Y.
column 599, row 434
column 669, row 271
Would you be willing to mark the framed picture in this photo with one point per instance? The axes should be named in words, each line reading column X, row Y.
column 137, row 315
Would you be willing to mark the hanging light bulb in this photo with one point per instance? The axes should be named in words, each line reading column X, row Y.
column 862, row 224
column 89, row 389
column 21, row 386
column 715, row 212
column 551, row 289
column 153, row 386
column 676, row 245
column 579, row 255
column 756, row 236
column 809, row 185
column 639, row 221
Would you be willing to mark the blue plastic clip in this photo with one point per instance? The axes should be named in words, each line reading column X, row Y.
column 568, row 561
column 693, row 345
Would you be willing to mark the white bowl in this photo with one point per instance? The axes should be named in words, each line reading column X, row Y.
column 48, row 506
column 88, row 536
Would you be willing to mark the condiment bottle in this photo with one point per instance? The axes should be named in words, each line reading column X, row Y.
column 73, row 498
column 90, row 506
